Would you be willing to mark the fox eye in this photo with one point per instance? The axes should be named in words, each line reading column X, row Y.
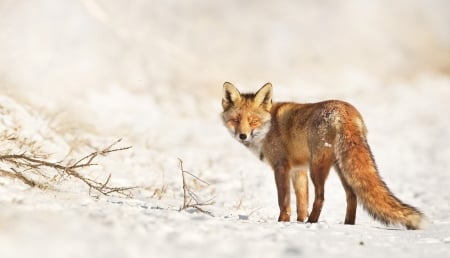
column 254, row 122
column 234, row 120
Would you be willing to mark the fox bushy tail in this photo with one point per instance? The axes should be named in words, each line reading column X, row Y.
column 359, row 170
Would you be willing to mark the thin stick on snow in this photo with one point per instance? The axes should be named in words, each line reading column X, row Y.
column 189, row 195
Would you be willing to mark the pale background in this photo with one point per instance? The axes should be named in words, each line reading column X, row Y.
column 76, row 75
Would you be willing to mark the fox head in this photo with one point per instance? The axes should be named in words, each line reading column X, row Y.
column 247, row 116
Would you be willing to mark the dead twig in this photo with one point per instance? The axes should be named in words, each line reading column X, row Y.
column 190, row 198
column 28, row 163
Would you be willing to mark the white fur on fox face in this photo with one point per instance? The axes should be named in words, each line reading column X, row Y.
column 255, row 140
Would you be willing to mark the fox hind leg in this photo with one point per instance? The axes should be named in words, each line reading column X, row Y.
column 319, row 169
column 350, row 214
column 300, row 182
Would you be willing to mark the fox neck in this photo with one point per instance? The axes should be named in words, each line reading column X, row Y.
column 256, row 148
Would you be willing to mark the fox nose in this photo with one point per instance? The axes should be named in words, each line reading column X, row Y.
column 242, row 136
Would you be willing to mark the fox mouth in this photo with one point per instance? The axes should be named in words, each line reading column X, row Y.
column 245, row 142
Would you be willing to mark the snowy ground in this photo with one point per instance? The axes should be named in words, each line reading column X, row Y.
column 152, row 75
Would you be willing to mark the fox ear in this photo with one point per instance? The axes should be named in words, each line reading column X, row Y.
column 231, row 95
column 263, row 96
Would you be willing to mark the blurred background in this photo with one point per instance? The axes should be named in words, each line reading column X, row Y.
column 76, row 75
column 193, row 46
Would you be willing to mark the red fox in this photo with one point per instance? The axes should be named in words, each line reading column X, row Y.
column 295, row 137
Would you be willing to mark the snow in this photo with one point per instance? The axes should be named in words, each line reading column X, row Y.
column 76, row 76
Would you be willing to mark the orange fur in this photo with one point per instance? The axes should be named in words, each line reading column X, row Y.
column 292, row 137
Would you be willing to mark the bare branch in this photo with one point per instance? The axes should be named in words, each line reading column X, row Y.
column 35, row 165
column 189, row 195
